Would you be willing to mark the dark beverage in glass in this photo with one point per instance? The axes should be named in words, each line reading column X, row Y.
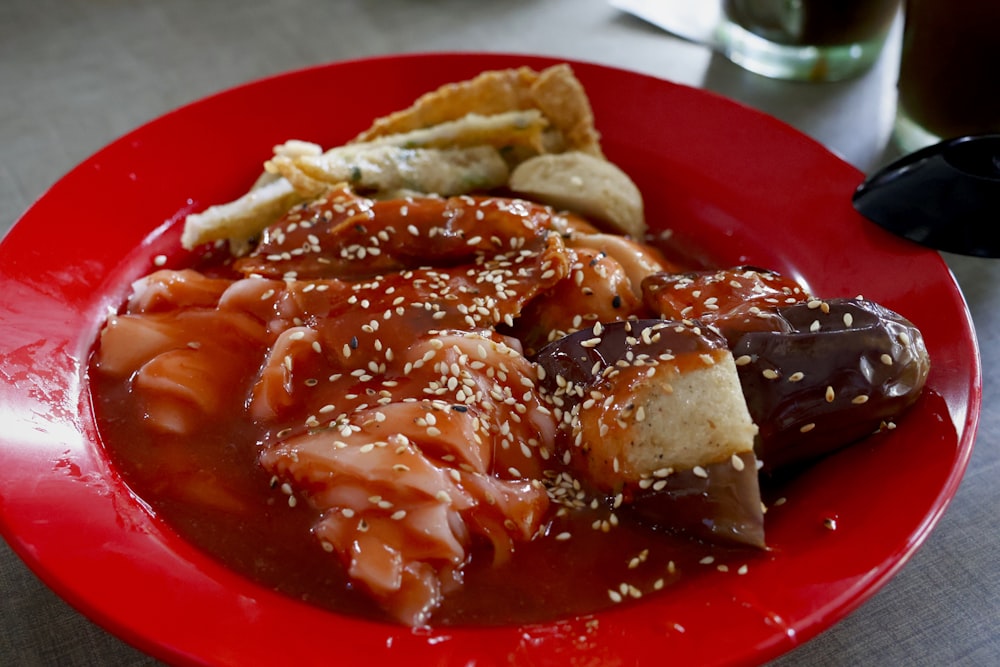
column 949, row 74
column 821, row 40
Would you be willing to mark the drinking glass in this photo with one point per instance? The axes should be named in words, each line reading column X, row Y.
column 949, row 73
column 805, row 40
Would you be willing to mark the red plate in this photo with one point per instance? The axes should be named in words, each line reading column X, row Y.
column 736, row 186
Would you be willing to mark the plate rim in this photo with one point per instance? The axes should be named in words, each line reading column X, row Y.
column 969, row 426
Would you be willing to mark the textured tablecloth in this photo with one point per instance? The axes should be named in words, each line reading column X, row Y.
column 76, row 74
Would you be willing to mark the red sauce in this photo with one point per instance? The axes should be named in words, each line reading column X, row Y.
column 196, row 459
column 271, row 543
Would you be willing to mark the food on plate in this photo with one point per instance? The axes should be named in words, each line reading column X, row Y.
column 834, row 372
column 463, row 137
column 588, row 185
column 240, row 220
column 555, row 92
column 414, row 376
column 653, row 410
column 817, row 374
column 603, row 284
column 731, row 300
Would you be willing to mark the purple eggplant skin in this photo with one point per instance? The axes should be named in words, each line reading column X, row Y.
column 721, row 506
column 830, row 373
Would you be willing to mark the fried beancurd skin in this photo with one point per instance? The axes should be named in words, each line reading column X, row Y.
column 554, row 91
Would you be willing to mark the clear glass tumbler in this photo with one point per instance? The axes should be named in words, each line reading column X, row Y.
column 805, row 40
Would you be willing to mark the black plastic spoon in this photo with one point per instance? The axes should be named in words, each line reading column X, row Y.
column 945, row 196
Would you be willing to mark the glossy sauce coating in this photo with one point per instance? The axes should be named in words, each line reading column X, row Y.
column 352, row 422
column 607, row 369
column 835, row 371
column 351, row 414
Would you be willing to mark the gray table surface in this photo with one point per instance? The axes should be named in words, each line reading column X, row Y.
column 76, row 74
